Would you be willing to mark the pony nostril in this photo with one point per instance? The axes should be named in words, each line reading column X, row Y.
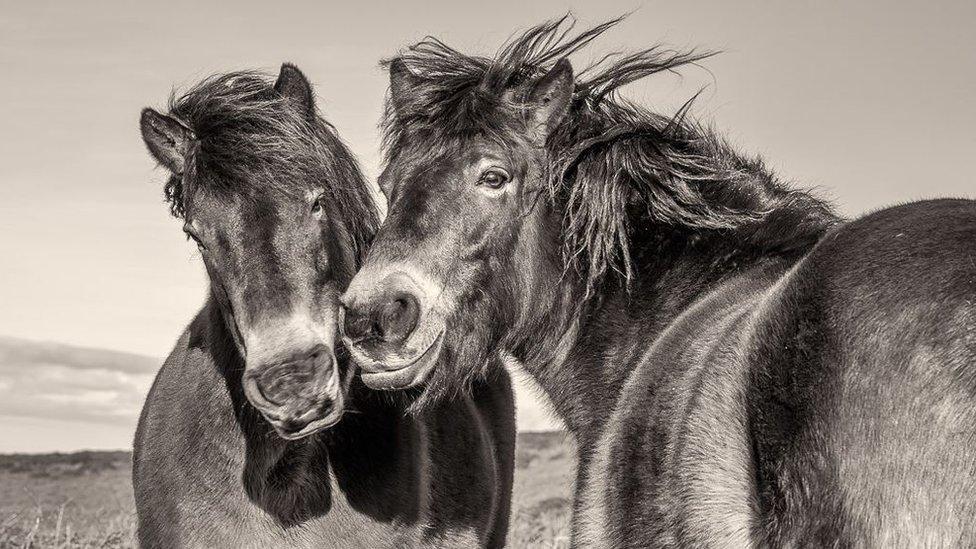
column 391, row 321
column 392, row 312
column 358, row 326
column 399, row 317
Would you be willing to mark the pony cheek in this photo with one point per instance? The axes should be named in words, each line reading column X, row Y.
column 229, row 313
column 225, row 301
column 477, row 237
column 490, row 231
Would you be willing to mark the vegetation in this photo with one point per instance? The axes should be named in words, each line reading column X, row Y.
column 84, row 499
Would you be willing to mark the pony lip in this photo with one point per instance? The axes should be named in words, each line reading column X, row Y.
column 406, row 375
column 329, row 420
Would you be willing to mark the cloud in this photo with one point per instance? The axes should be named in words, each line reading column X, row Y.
column 23, row 351
column 62, row 382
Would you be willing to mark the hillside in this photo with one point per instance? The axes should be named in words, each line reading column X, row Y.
column 57, row 397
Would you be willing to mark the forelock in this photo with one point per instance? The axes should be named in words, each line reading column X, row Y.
column 463, row 95
column 246, row 134
column 248, row 140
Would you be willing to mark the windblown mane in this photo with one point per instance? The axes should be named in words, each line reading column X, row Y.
column 616, row 170
column 246, row 136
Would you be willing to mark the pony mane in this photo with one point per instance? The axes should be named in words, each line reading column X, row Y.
column 247, row 136
column 616, row 170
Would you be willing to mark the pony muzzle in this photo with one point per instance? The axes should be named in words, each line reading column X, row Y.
column 298, row 396
column 391, row 331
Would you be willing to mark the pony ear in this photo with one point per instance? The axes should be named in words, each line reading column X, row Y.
column 549, row 99
column 402, row 82
column 294, row 87
column 166, row 139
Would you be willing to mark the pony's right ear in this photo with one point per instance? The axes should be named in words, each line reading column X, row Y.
column 402, row 82
column 166, row 139
column 295, row 88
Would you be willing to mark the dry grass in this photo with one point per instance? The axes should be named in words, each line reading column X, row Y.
column 84, row 500
column 66, row 500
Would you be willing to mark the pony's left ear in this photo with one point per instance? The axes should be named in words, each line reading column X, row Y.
column 166, row 139
column 549, row 99
column 294, row 87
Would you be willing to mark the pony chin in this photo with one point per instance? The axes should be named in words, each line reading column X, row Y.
column 465, row 356
column 409, row 376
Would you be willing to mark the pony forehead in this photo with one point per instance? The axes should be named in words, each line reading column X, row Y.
column 453, row 96
column 458, row 150
column 249, row 141
column 208, row 189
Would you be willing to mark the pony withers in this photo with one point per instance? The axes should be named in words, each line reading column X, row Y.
column 256, row 432
column 740, row 366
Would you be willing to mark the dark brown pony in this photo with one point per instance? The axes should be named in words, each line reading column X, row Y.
column 256, row 432
column 740, row 367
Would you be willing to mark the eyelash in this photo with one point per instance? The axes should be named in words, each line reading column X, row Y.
column 317, row 206
column 197, row 241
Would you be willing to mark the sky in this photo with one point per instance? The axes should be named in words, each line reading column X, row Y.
column 870, row 102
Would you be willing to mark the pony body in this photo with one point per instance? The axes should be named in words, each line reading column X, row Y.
column 740, row 366
column 256, row 433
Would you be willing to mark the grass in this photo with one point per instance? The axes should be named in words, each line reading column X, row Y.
column 84, row 499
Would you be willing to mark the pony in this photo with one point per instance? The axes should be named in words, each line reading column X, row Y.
column 256, row 432
column 740, row 366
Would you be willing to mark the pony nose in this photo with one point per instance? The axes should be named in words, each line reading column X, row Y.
column 296, row 386
column 391, row 321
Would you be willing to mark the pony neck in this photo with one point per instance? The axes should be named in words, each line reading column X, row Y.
column 674, row 268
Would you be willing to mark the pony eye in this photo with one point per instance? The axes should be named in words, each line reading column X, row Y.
column 190, row 235
column 494, row 178
column 317, row 206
